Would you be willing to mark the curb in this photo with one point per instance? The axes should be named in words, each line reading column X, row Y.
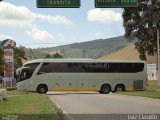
column 66, row 115
column 137, row 97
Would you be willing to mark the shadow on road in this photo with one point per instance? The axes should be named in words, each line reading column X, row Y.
column 71, row 93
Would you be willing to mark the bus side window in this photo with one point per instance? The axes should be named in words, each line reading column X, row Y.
column 75, row 67
column 43, row 69
column 25, row 74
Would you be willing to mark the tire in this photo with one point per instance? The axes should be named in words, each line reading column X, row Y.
column 119, row 88
column 42, row 89
column 105, row 89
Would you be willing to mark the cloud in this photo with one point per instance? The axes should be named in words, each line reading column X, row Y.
column 39, row 35
column 13, row 16
column 20, row 16
column 98, row 34
column 103, row 16
column 4, row 36
column 57, row 19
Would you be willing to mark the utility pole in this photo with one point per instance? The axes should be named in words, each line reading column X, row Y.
column 158, row 62
column 84, row 53
column 63, row 51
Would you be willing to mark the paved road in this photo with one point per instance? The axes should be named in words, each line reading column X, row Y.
column 93, row 103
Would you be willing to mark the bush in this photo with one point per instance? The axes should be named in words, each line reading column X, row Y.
column 11, row 88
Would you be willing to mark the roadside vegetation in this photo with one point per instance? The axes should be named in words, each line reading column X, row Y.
column 152, row 91
column 29, row 106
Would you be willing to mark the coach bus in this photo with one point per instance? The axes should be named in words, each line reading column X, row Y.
column 43, row 75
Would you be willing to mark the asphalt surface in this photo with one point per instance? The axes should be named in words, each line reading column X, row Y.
column 92, row 105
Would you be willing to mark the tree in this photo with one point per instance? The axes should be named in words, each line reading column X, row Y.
column 55, row 55
column 48, row 56
column 19, row 54
column 141, row 24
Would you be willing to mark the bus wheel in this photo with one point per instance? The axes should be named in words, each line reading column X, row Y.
column 105, row 89
column 119, row 88
column 42, row 89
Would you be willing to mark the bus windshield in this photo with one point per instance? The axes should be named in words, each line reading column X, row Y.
column 27, row 71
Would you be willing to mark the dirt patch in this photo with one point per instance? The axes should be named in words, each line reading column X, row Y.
column 31, row 109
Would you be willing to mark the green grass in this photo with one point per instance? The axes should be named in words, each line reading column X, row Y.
column 152, row 91
column 150, row 94
column 30, row 106
column 11, row 88
column 152, row 86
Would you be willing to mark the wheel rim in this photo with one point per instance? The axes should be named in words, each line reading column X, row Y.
column 42, row 90
column 119, row 89
column 105, row 89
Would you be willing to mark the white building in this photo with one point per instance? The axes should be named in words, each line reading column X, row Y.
column 151, row 72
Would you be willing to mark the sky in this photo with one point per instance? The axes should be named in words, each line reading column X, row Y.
column 32, row 27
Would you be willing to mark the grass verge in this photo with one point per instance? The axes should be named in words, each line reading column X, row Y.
column 150, row 94
column 29, row 106
column 153, row 91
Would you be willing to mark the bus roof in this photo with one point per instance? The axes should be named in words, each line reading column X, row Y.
column 83, row 60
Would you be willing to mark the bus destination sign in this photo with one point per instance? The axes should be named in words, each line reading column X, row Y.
column 58, row 3
column 115, row 3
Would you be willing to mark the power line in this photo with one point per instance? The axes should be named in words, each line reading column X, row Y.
column 43, row 43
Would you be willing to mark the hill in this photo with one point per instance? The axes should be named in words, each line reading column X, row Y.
column 127, row 53
column 90, row 49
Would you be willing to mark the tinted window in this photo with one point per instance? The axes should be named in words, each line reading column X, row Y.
column 97, row 67
column 77, row 67
column 126, row 67
column 27, row 71
column 91, row 67
column 61, row 67
column 52, row 67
